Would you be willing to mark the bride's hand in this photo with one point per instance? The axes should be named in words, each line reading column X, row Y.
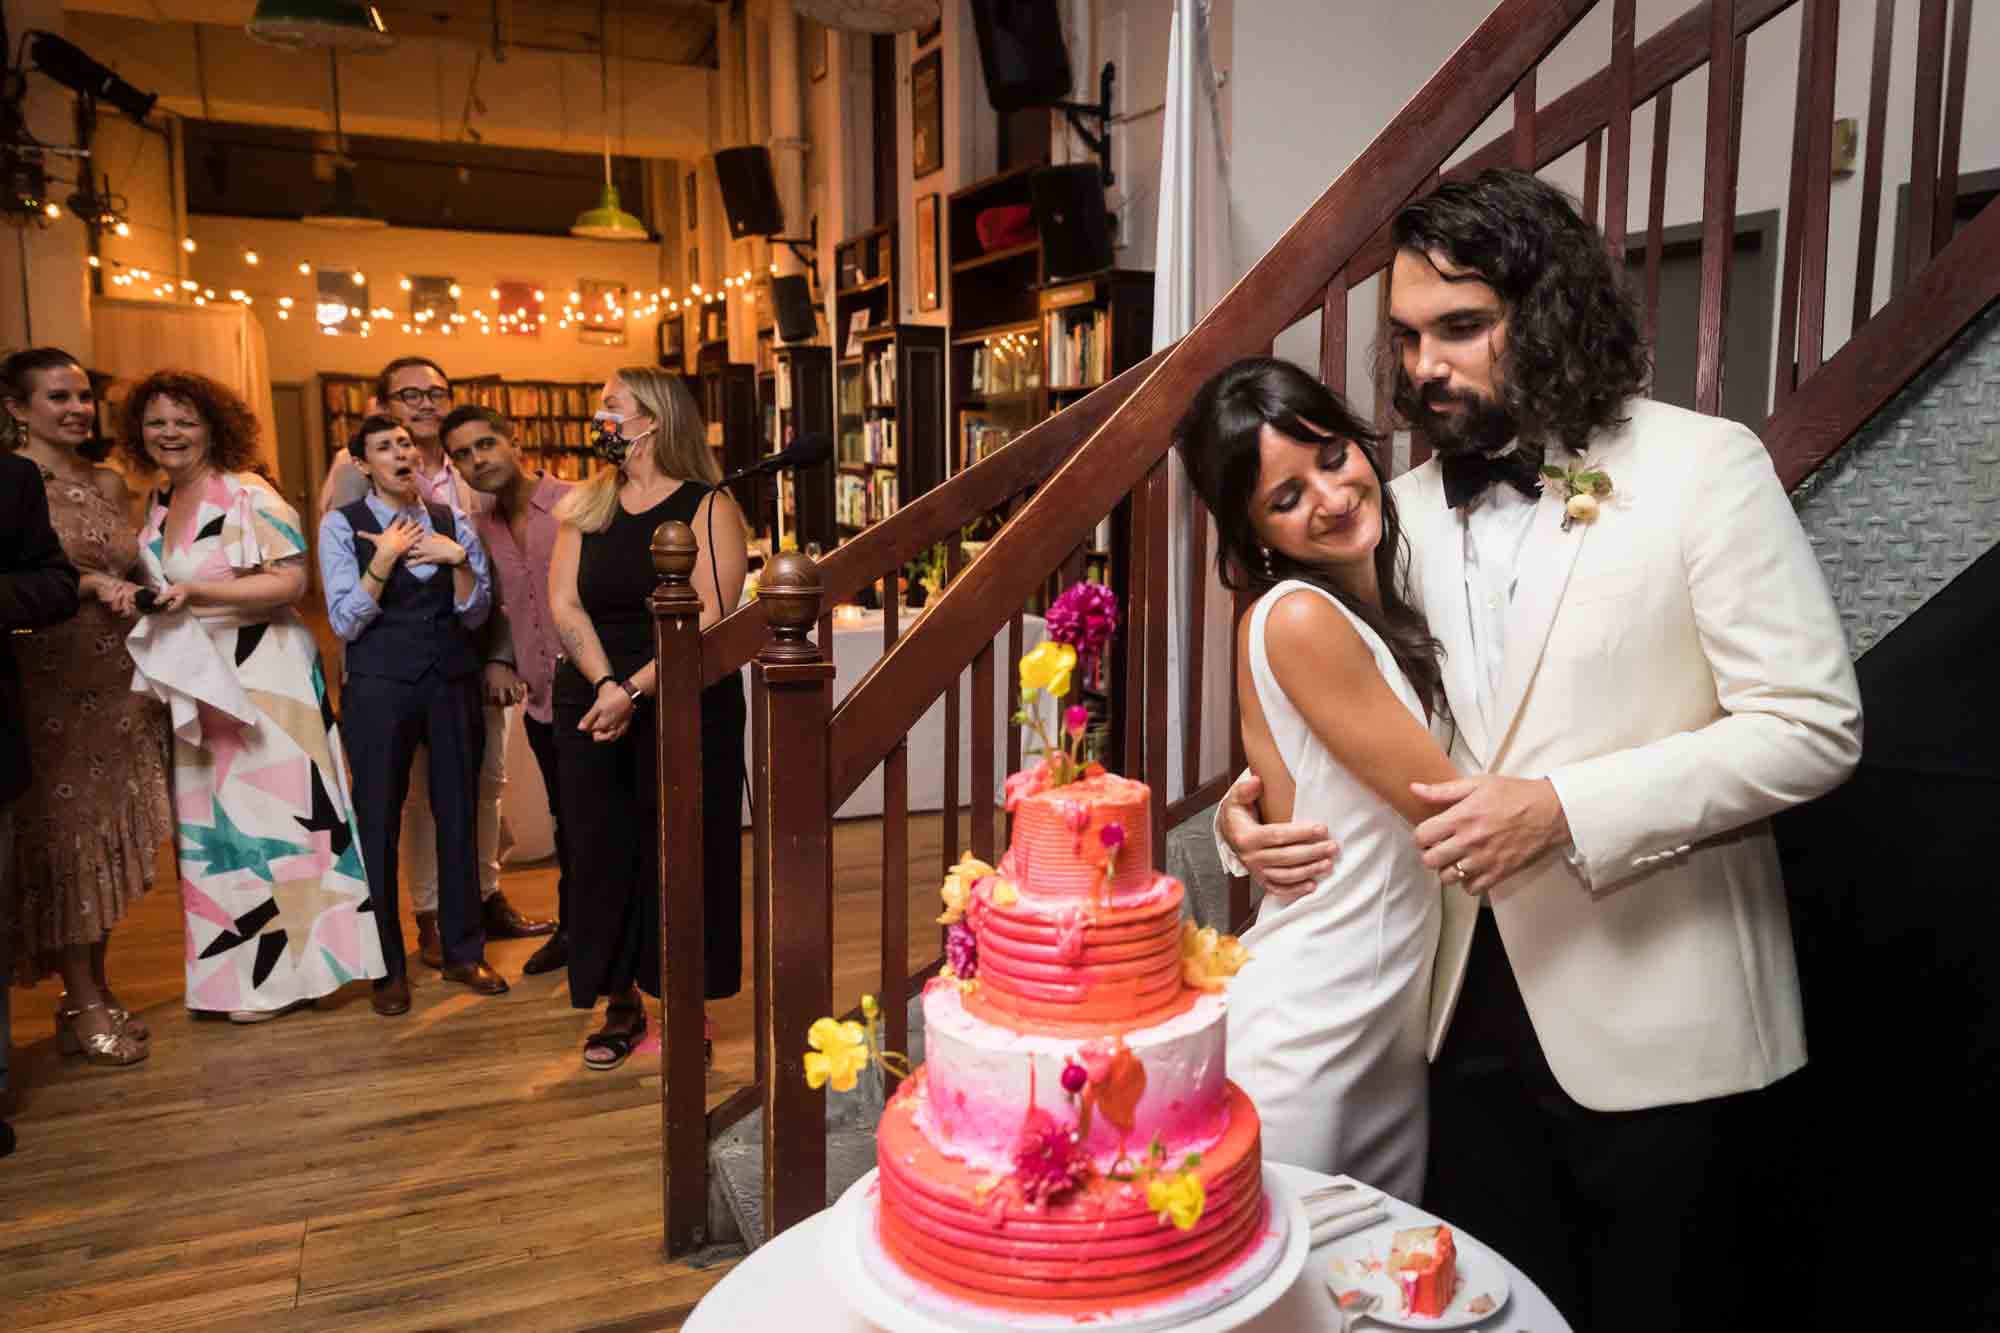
column 1287, row 859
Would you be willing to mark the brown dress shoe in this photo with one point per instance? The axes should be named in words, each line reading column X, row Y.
column 430, row 944
column 477, row 976
column 391, row 997
column 504, row 923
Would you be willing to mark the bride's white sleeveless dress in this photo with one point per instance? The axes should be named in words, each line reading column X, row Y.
column 1327, row 1020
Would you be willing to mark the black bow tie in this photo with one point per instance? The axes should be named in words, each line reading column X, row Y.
column 1467, row 475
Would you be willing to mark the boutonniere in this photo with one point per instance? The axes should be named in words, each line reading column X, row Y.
column 1579, row 488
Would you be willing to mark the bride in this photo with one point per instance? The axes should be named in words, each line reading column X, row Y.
column 1337, row 679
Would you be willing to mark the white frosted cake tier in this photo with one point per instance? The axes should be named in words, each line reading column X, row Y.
column 983, row 1079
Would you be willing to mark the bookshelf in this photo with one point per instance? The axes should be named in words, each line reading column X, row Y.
column 551, row 418
column 795, row 398
column 726, row 393
column 888, row 379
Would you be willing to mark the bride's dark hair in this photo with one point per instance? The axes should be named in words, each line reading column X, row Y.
column 1218, row 443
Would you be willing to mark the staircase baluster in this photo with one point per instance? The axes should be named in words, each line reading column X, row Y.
column 676, row 612
column 1789, row 373
column 1158, row 594
column 1871, row 171
column 1954, row 125
column 1333, row 334
column 1656, row 208
column 895, row 864
column 1718, row 202
column 1524, row 121
column 791, row 701
column 1819, row 185
column 1593, row 168
column 1618, row 170
column 1918, row 246
column 980, row 791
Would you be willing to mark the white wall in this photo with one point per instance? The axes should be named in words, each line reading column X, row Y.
column 1293, row 136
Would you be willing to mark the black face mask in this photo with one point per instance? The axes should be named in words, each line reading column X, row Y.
column 1483, row 427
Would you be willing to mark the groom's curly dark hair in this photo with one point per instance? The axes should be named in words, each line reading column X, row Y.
column 1574, row 352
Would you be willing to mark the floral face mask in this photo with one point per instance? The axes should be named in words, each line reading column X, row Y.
column 610, row 443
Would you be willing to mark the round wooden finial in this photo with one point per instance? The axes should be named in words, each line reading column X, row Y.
column 674, row 550
column 789, row 588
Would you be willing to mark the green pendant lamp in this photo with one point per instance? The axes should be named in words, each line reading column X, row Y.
column 608, row 221
column 337, row 23
column 343, row 209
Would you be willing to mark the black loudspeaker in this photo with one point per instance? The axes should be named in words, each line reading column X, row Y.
column 1069, row 213
column 749, row 192
column 792, row 308
column 1021, row 52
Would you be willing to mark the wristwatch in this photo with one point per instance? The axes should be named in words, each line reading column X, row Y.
column 632, row 691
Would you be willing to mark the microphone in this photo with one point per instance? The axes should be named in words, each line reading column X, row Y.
column 808, row 450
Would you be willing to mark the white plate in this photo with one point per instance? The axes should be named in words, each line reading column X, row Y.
column 1358, row 1261
column 880, row 1291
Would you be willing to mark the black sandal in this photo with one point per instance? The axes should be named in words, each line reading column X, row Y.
column 619, row 1041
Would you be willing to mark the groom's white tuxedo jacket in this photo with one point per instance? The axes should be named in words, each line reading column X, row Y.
column 1676, row 667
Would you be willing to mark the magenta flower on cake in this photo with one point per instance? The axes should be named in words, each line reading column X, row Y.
column 961, row 952
column 1046, row 1163
column 1084, row 617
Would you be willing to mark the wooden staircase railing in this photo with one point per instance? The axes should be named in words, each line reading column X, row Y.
column 1106, row 455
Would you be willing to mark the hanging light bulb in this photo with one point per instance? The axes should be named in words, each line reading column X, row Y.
column 187, row 244
column 404, row 284
column 121, row 229
column 358, row 277
column 250, row 257
column 454, row 291
column 95, row 262
column 305, row 269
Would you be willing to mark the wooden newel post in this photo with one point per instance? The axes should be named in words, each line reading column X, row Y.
column 791, row 698
column 676, row 609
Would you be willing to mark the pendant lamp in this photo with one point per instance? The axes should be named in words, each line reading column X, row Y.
column 343, row 209
column 608, row 221
column 342, row 24
column 869, row 15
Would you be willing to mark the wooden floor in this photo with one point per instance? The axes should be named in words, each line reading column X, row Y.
column 453, row 1168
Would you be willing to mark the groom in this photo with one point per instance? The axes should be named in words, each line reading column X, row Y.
column 1637, row 681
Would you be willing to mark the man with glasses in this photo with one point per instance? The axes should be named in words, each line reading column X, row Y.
column 417, row 393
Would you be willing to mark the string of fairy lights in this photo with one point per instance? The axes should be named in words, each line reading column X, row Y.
column 517, row 309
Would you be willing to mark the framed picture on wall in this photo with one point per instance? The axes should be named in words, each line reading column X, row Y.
column 688, row 187
column 600, row 312
column 927, row 114
column 520, row 302
column 670, row 341
column 927, row 252
column 816, row 45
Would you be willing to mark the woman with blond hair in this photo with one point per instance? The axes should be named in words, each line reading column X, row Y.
column 600, row 577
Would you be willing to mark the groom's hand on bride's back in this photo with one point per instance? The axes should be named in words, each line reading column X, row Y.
column 1287, row 859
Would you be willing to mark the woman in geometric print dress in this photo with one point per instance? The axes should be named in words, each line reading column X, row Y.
column 87, row 833
column 272, row 888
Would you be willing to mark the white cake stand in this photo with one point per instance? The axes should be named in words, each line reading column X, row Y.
column 883, row 1293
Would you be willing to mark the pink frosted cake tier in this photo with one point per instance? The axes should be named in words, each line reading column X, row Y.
column 968, row 1233
column 981, row 1076
column 1053, row 964
column 1058, row 849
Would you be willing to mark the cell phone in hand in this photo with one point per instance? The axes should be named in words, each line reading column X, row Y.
column 147, row 601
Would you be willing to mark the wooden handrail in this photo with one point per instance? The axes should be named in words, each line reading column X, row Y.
column 889, row 699
column 1025, row 462
column 1887, row 352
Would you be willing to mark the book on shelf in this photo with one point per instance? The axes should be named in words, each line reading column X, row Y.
column 1011, row 365
column 878, row 374
column 1076, row 341
column 979, row 436
column 851, row 400
column 852, row 447
column 879, row 440
column 881, row 496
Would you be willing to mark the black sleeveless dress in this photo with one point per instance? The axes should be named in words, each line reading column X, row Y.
column 610, row 792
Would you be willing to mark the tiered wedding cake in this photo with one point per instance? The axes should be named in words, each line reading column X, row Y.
column 1072, row 1145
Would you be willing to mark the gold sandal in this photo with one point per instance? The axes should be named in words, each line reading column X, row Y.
column 127, row 1022
column 114, row 1049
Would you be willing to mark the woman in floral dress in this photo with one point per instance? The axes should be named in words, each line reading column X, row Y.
column 88, row 832
column 272, row 884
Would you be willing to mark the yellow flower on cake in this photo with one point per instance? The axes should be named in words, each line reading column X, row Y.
column 1047, row 667
column 839, row 1054
column 957, row 888
column 1178, row 1199
column 1209, row 958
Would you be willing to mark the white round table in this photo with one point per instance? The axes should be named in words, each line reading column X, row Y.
column 784, row 1285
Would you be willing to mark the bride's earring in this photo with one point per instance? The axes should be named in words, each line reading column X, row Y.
column 1264, row 553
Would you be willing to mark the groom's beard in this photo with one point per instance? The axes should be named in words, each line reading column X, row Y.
column 1481, row 426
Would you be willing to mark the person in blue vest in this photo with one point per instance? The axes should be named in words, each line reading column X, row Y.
column 407, row 582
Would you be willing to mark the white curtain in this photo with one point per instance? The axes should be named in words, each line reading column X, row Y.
column 1191, row 273
column 224, row 342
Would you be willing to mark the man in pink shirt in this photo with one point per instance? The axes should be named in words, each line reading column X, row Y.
column 416, row 392
column 518, row 526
